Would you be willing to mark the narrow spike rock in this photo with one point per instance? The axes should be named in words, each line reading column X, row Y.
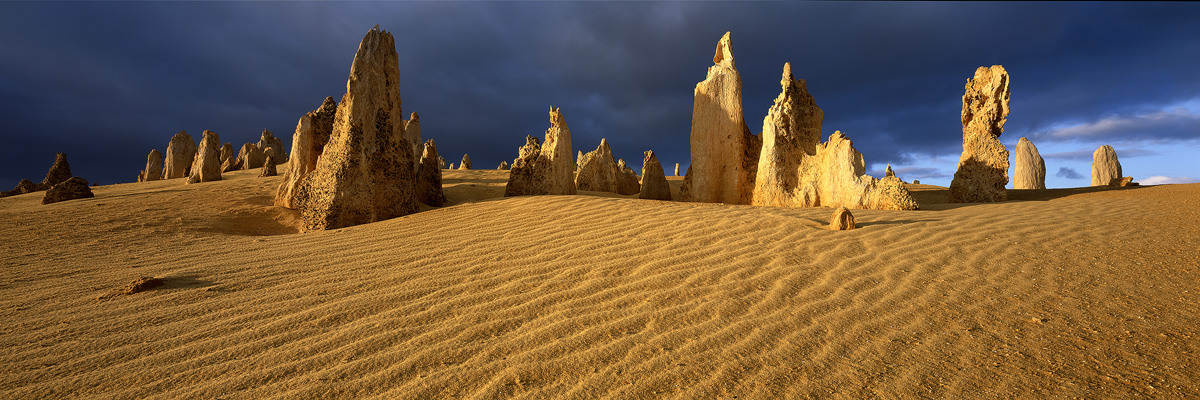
column 983, row 167
column 429, row 176
column 724, row 153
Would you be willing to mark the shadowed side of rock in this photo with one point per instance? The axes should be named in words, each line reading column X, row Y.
column 308, row 142
column 654, row 184
column 365, row 172
column 983, row 167
column 429, row 176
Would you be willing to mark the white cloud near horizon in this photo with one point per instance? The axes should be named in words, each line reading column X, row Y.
column 1178, row 121
column 1163, row 180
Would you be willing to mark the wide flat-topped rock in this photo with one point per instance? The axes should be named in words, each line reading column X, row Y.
column 836, row 177
column 983, row 166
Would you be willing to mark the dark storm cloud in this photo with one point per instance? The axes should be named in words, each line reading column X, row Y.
column 107, row 82
column 1068, row 173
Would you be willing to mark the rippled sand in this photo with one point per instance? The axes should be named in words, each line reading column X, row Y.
column 1057, row 293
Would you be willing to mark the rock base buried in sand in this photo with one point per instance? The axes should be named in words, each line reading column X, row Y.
column 842, row 220
column 1122, row 182
column 71, row 189
column 137, row 286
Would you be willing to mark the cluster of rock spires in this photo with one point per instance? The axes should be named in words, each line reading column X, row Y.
column 206, row 162
column 544, row 168
column 785, row 166
column 59, row 184
column 597, row 171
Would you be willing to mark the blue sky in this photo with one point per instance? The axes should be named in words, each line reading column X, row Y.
column 106, row 82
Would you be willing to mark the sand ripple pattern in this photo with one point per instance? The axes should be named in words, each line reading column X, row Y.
column 1089, row 294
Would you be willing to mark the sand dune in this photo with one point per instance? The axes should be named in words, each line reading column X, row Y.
column 1056, row 293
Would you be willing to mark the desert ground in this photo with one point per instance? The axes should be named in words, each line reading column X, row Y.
column 1064, row 293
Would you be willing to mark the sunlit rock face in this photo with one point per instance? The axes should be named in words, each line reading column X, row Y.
column 724, row 153
column 365, row 173
column 983, row 167
column 1105, row 166
column 544, row 168
column 1030, row 169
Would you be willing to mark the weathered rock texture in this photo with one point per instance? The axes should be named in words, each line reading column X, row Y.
column 429, row 176
column 544, row 169
column 70, row 189
column 59, row 172
column 441, row 162
column 1030, row 169
column 676, row 169
column 268, row 168
column 153, row 171
column 228, row 157
column 308, row 142
column 268, row 141
column 412, row 133
column 724, row 152
column 836, row 177
column 791, row 132
column 983, row 167
column 364, row 174
column 181, row 151
column 250, row 157
column 503, row 165
column 1105, row 166
column 627, row 180
column 597, row 170
column 888, row 172
column 1122, row 182
column 207, row 165
column 842, row 220
column 654, row 181
column 466, row 162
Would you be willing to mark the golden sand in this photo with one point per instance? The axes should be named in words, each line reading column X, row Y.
column 1087, row 293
